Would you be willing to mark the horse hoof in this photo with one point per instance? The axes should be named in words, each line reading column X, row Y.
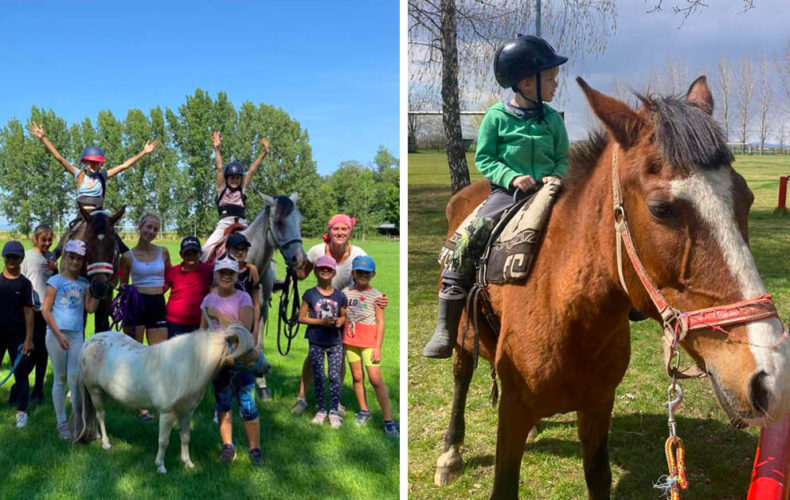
column 533, row 434
column 106, row 446
column 189, row 465
column 444, row 475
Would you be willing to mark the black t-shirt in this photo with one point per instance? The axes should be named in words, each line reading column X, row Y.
column 245, row 283
column 15, row 294
column 324, row 306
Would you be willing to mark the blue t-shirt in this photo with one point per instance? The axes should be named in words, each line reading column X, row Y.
column 324, row 306
column 69, row 302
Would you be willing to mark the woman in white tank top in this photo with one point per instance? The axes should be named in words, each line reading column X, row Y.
column 145, row 264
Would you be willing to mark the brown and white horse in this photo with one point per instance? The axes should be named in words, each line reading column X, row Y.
column 563, row 343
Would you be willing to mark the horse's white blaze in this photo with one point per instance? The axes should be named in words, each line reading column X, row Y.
column 710, row 192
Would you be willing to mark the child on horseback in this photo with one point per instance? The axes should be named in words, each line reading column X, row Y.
column 231, row 200
column 230, row 305
column 519, row 144
column 363, row 337
column 323, row 310
column 68, row 295
column 91, row 179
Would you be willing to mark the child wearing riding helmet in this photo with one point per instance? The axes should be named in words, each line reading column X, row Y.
column 323, row 310
column 91, row 179
column 520, row 143
column 68, row 295
column 16, row 323
column 230, row 305
column 363, row 338
column 188, row 283
column 231, row 200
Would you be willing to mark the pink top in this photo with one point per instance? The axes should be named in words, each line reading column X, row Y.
column 187, row 290
column 227, row 306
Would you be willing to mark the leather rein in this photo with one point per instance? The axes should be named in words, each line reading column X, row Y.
column 677, row 324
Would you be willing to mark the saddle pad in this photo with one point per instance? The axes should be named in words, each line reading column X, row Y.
column 513, row 252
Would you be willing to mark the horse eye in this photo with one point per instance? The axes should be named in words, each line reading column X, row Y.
column 660, row 209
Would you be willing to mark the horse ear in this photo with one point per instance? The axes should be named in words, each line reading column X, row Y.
column 85, row 214
column 621, row 121
column 268, row 199
column 294, row 196
column 115, row 218
column 700, row 96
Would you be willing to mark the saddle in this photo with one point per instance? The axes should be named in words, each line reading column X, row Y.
column 515, row 239
column 219, row 247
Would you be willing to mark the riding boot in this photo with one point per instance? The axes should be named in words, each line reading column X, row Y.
column 451, row 305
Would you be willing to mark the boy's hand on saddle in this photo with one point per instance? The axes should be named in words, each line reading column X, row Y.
column 216, row 139
column 375, row 356
column 36, row 129
column 524, row 182
column 150, row 146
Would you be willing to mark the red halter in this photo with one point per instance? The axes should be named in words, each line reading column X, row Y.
column 676, row 324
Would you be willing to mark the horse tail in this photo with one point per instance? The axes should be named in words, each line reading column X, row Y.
column 83, row 414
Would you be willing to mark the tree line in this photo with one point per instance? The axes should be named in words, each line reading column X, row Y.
column 177, row 180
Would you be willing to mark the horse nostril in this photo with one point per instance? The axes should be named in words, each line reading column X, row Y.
column 758, row 394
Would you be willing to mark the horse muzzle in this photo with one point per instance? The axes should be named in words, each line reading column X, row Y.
column 100, row 286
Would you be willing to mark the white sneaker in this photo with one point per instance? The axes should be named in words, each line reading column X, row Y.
column 319, row 417
column 21, row 420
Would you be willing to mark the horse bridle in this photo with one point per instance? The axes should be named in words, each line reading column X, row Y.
column 280, row 246
column 675, row 323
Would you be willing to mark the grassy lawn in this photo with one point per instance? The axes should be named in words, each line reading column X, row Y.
column 302, row 460
column 719, row 458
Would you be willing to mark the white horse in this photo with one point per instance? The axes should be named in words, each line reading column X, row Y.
column 171, row 377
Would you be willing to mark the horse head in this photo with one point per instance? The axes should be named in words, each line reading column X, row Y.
column 687, row 210
column 243, row 353
column 101, row 255
column 285, row 229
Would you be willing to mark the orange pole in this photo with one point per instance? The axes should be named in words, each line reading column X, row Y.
column 770, row 471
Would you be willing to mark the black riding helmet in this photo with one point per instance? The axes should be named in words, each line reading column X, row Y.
column 523, row 57
column 233, row 168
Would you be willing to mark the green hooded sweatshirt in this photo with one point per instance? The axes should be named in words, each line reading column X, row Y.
column 509, row 146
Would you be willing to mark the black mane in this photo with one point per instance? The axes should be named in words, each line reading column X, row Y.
column 687, row 138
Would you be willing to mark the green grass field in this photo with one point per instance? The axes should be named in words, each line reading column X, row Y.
column 719, row 458
column 302, row 460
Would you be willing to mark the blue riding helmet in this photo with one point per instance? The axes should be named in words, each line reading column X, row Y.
column 92, row 153
column 363, row 263
column 525, row 56
column 233, row 168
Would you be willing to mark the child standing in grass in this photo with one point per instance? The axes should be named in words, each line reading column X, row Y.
column 38, row 266
column 363, row 338
column 67, row 296
column 16, row 323
column 324, row 312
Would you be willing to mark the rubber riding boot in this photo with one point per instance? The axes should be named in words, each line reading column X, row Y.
column 451, row 305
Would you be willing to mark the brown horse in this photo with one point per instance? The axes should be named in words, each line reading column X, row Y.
column 101, row 259
column 563, row 343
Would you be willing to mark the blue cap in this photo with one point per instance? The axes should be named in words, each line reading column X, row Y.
column 363, row 263
column 14, row 248
column 236, row 240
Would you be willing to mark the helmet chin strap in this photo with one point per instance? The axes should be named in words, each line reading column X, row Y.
column 539, row 102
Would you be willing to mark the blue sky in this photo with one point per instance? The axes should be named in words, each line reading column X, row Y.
column 333, row 66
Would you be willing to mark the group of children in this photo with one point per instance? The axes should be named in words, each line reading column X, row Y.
column 44, row 306
column 350, row 321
